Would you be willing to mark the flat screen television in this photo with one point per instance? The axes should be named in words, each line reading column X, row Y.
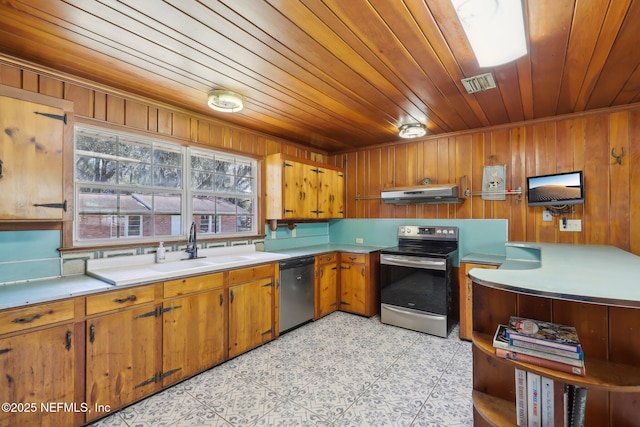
column 556, row 189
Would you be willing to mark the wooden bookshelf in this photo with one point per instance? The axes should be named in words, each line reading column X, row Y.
column 603, row 374
column 493, row 410
column 608, row 338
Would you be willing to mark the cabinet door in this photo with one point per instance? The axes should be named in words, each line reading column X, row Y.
column 327, row 279
column 251, row 315
column 121, row 357
column 192, row 335
column 330, row 193
column 31, row 154
column 353, row 288
column 294, row 190
column 38, row 367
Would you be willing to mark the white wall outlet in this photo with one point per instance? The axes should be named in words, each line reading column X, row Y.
column 293, row 233
column 572, row 225
column 359, row 240
column 546, row 215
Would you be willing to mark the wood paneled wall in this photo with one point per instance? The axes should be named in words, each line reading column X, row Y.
column 610, row 215
column 101, row 106
column 105, row 107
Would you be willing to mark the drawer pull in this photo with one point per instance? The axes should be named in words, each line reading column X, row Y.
column 92, row 333
column 5, row 350
column 123, row 300
column 221, row 299
column 27, row 319
column 69, row 337
column 231, row 293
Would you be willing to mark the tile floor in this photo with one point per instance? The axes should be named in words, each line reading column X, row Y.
column 342, row 370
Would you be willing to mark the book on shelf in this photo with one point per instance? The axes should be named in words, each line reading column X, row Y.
column 534, row 416
column 545, row 334
column 500, row 340
column 575, row 398
column 521, row 397
column 539, row 361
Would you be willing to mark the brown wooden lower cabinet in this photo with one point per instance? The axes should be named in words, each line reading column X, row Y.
column 466, row 297
column 359, row 292
column 326, row 284
column 38, row 368
column 193, row 335
column 251, row 314
column 121, row 358
column 606, row 334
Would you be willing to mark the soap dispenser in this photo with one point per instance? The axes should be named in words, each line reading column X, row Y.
column 160, row 253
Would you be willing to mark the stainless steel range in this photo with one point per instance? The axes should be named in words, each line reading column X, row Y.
column 415, row 280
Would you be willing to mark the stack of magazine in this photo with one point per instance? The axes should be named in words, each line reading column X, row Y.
column 550, row 345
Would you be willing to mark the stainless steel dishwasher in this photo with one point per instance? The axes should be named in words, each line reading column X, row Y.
column 296, row 292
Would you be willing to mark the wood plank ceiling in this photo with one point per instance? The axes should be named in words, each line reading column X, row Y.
column 334, row 74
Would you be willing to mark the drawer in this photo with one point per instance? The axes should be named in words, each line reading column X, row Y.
column 121, row 298
column 189, row 285
column 19, row 319
column 326, row 258
column 354, row 258
column 242, row 275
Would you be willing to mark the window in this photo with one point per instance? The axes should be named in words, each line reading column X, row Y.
column 222, row 192
column 129, row 187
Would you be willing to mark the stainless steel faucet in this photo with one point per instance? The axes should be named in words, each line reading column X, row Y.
column 192, row 244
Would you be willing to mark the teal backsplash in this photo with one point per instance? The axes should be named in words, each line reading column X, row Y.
column 27, row 255
column 307, row 234
column 476, row 235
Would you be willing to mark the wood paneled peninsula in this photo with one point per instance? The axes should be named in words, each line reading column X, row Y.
column 591, row 287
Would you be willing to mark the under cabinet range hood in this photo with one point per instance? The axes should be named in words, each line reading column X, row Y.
column 433, row 193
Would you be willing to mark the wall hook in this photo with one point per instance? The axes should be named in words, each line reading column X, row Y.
column 618, row 158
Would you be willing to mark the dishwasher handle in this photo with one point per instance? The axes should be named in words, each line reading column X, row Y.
column 296, row 262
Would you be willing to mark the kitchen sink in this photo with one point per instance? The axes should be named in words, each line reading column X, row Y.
column 179, row 266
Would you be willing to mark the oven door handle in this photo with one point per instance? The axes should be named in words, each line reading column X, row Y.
column 413, row 262
column 422, row 314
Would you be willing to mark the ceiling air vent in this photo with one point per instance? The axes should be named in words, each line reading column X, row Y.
column 479, row 83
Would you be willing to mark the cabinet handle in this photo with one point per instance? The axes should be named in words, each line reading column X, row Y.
column 62, row 205
column 53, row 116
column 362, row 271
column 300, row 196
column 123, row 300
column 69, row 338
column 345, row 268
column 232, row 296
column 0, row 168
column 92, row 333
column 27, row 319
column 5, row 350
column 353, row 258
column 221, row 299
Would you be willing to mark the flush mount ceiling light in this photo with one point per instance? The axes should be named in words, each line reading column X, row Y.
column 224, row 101
column 412, row 130
column 494, row 28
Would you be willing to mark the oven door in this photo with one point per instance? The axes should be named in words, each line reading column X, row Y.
column 416, row 282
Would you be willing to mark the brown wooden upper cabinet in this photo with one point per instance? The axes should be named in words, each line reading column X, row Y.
column 300, row 189
column 32, row 134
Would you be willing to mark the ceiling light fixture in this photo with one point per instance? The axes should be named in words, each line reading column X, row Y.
column 412, row 130
column 494, row 28
column 224, row 101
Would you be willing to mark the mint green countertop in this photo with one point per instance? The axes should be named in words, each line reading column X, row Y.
column 587, row 273
column 327, row 247
column 480, row 258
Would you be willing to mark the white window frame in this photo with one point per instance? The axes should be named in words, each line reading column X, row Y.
column 151, row 192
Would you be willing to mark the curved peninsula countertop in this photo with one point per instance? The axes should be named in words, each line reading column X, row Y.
column 599, row 274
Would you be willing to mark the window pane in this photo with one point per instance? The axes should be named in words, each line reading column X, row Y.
column 95, row 169
column 201, row 180
column 164, row 176
column 224, row 184
column 135, row 151
column 244, row 185
column 134, row 173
